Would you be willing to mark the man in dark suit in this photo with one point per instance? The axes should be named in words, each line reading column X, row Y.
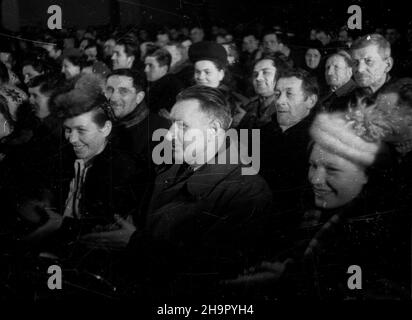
column 195, row 231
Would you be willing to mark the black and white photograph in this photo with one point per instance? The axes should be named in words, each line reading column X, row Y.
column 205, row 157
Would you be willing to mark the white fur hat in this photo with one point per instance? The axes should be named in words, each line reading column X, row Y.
column 338, row 134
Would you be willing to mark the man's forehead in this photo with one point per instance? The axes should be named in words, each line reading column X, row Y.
column 368, row 51
column 151, row 60
column 290, row 82
column 120, row 81
column 336, row 60
column 119, row 48
column 249, row 38
column 264, row 64
column 185, row 109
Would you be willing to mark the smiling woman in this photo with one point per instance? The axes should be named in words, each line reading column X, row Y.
column 350, row 219
column 338, row 161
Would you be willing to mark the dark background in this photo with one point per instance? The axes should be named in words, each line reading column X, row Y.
column 295, row 15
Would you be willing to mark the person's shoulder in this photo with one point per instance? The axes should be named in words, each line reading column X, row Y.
column 115, row 157
column 171, row 80
column 252, row 104
column 248, row 178
column 157, row 121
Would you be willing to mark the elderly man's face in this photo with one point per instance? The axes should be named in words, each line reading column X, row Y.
column 87, row 138
column 292, row 105
column 337, row 71
column 264, row 81
column 335, row 181
column 370, row 68
column 190, row 132
column 122, row 95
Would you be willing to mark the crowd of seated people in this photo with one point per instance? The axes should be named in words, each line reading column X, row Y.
column 85, row 116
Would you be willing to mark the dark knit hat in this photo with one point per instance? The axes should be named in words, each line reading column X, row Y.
column 208, row 50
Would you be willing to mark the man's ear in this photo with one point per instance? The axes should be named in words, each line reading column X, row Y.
column 107, row 128
column 221, row 74
column 389, row 64
column 312, row 100
column 139, row 97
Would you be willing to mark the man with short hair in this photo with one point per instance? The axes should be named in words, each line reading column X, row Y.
column 163, row 86
column 372, row 62
column 133, row 130
column 126, row 54
column 285, row 139
column 196, row 226
column 259, row 111
column 338, row 74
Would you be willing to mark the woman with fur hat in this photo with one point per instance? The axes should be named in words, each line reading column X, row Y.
column 210, row 63
column 348, row 220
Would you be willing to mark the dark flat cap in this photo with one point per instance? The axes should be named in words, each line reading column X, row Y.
column 208, row 50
